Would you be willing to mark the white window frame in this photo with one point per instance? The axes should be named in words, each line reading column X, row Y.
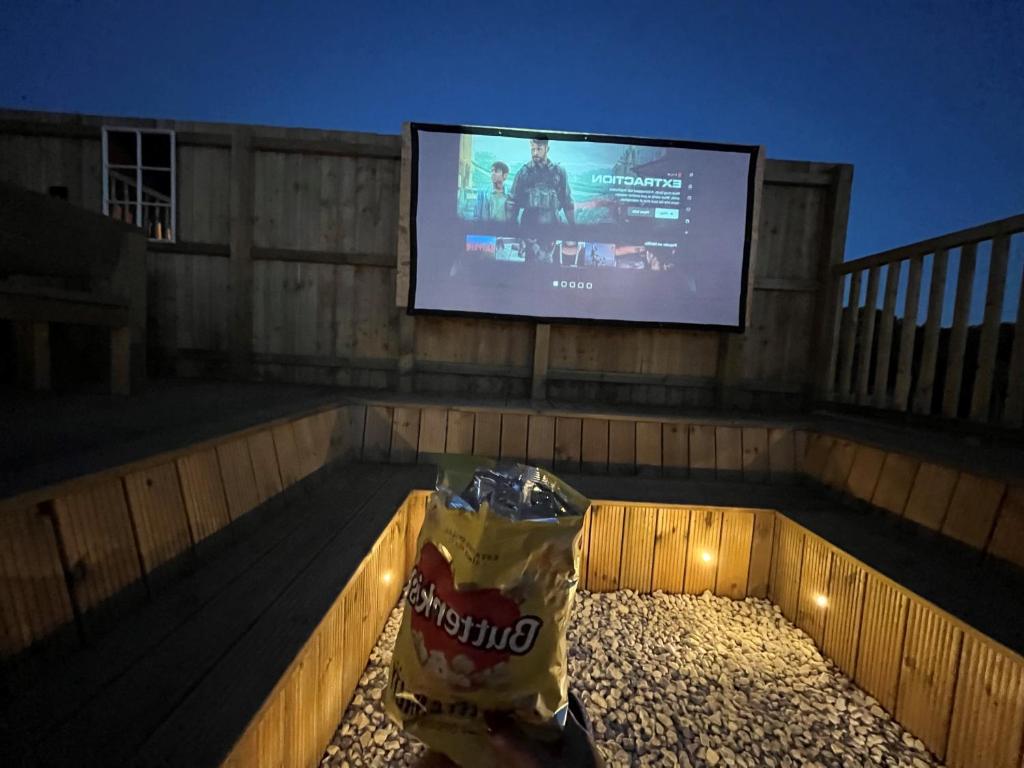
column 138, row 220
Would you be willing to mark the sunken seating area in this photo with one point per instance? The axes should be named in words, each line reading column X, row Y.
column 215, row 603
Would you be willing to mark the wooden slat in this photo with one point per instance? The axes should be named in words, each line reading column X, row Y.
column 238, row 478
column 331, row 705
column 638, row 548
column 158, row 512
column 845, row 604
column 540, row 444
column 300, row 710
column 881, row 641
column 816, row 455
column 867, row 334
column 514, row 428
column 670, row 546
column 34, row 599
column 755, row 454
column 459, row 438
column 405, row 435
column 728, row 452
column 96, row 532
column 648, row 448
column 377, row 434
column 908, row 332
column 895, row 482
column 848, row 338
column 311, row 452
column 675, row 450
column 972, row 510
column 203, row 491
column 815, row 573
column 1008, row 537
column 584, row 540
column 416, row 510
column 864, row 474
column 353, row 663
column 568, row 444
column 883, row 350
column 922, row 401
column 781, row 453
column 702, row 552
column 487, row 434
column 606, row 525
column 927, row 676
column 622, row 447
column 287, row 454
column 988, row 708
column 984, row 373
column 1013, row 408
column 433, row 432
column 930, row 496
column 264, row 465
column 957, row 346
column 761, row 553
column 595, row 446
column 734, row 553
column 787, row 562
column 702, row 450
column 839, row 464
column 347, row 440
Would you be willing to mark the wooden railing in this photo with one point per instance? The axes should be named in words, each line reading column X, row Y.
column 890, row 352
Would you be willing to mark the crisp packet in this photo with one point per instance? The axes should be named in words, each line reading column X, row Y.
column 487, row 607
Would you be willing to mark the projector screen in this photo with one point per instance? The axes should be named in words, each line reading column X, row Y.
column 576, row 227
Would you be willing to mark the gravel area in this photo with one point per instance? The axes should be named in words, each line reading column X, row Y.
column 680, row 680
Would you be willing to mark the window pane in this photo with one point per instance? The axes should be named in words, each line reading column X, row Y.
column 121, row 186
column 121, row 148
column 156, row 149
column 156, row 186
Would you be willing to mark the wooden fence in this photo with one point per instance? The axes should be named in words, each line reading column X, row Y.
column 285, row 267
column 883, row 356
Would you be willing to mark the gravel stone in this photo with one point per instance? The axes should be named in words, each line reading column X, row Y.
column 679, row 680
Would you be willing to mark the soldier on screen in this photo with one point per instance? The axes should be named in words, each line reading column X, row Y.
column 540, row 190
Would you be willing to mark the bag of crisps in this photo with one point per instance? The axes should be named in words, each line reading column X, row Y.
column 487, row 608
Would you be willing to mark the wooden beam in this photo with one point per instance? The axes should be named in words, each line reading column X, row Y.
column 848, row 339
column 355, row 258
column 958, row 333
column 883, row 353
column 867, row 336
column 1014, row 408
column 241, row 225
column 991, row 230
column 330, row 147
column 908, row 333
column 829, row 303
column 189, row 248
column 541, row 347
column 987, row 348
column 933, row 323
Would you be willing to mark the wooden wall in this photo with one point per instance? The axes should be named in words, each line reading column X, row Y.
column 285, row 268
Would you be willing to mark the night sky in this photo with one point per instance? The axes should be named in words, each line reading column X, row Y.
column 925, row 99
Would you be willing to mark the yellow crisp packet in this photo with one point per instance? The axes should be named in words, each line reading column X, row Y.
column 487, row 607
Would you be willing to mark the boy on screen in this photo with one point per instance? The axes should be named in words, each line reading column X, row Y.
column 492, row 204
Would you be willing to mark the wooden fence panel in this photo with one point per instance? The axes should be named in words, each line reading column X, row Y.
column 845, row 605
column 670, row 545
column 702, row 555
column 927, row 676
column 203, row 492
column 883, row 350
column 459, row 437
column 606, row 524
column 972, row 509
column 238, row 477
column 922, row 402
column 568, row 444
column 930, row 496
column 957, row 346
column 761, row 553
column 264, row 465
column 881, row 641
column 487, row 434
column 734, row 553
column 638, row 548
column 158, row 511
column 405, row 435
column 540, row 444
column 984, row 373
column 812, row 601
column 908, row 333
column 675, row 450
column 787, row 563
column 433, row 432
column 514, row 428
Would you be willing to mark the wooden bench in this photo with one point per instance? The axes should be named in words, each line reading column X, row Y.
column 63, row 264
column 178, row 682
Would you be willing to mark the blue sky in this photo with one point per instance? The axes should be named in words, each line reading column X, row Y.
column 926, row 99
